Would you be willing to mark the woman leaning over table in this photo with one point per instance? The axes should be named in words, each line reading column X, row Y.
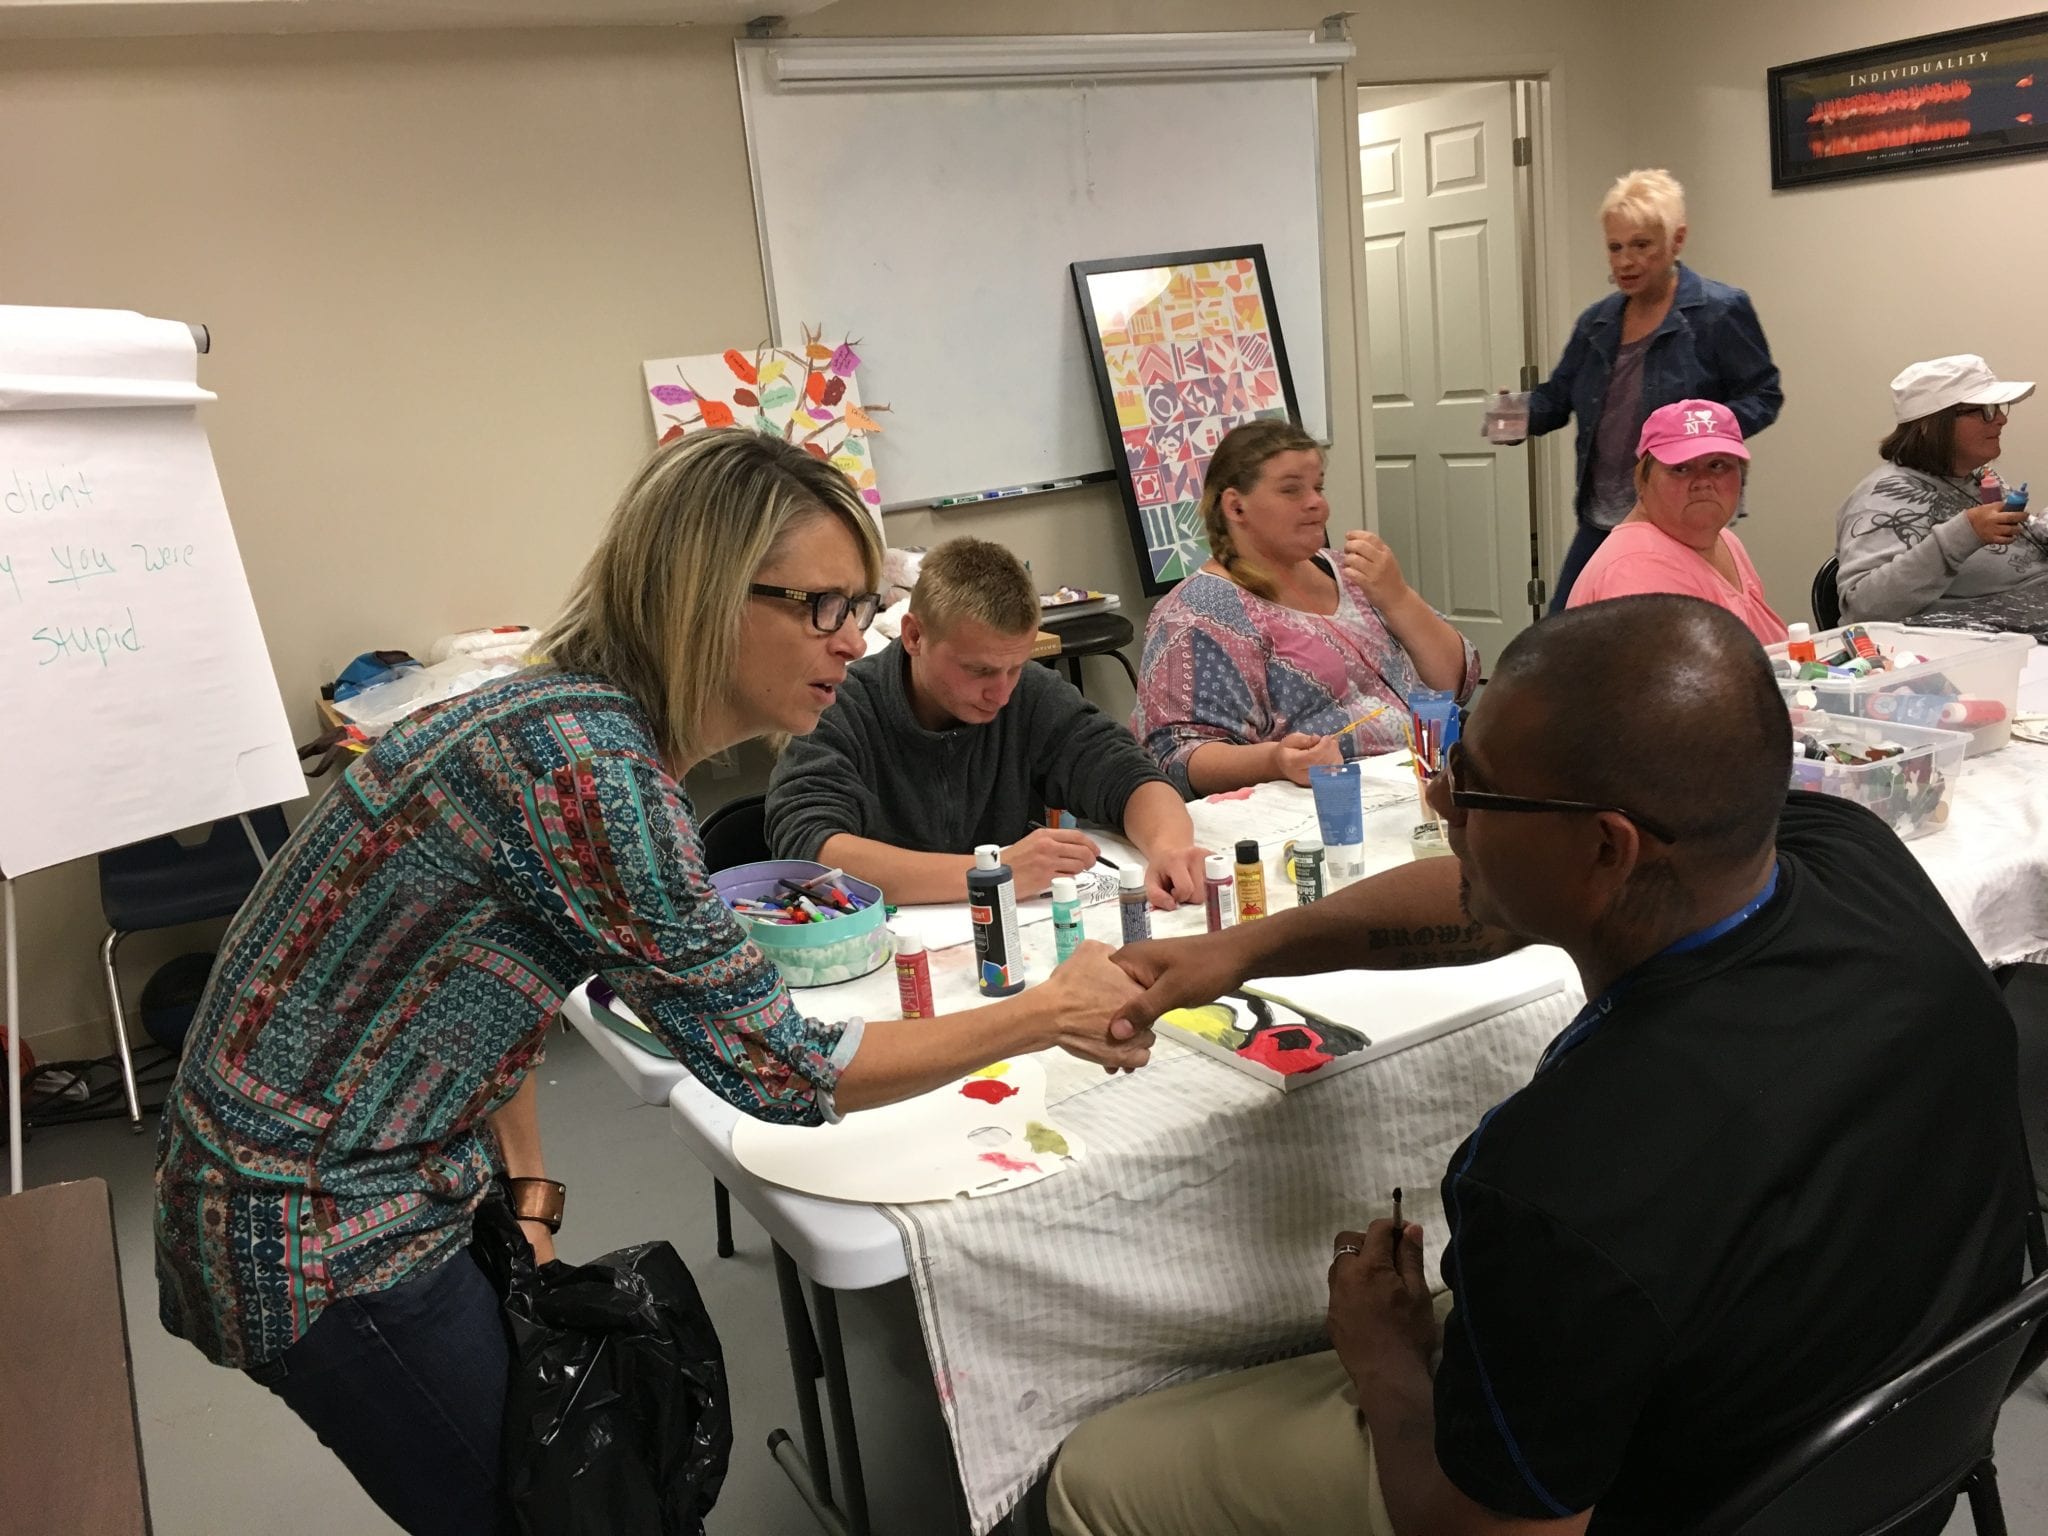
column 1665, row 334
column 362, row 1063
column 1691, row 465
column 1254, row 665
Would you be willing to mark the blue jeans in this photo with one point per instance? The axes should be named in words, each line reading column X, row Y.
column 407, row 1387
column 1584, row 542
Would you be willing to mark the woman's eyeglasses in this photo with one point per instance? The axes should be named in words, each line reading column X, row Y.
column 1991, row 413
column 829, row 610
column 1483, row 800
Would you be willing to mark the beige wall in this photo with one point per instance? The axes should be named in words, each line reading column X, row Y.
column 1854, row 279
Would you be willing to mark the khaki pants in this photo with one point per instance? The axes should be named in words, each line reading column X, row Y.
column 1279, row 1450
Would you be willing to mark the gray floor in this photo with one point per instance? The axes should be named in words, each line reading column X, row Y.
column 223, row 1457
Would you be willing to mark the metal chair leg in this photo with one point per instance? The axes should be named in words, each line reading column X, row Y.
column 1987, row 1510
column 107, row 947
column 1129, row 671
column 721, row 1203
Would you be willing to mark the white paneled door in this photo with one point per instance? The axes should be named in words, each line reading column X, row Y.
column 1443, row 294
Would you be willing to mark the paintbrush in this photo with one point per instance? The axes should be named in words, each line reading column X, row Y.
column 1361, row 720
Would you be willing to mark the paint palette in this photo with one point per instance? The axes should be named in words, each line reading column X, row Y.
column 984, row 1134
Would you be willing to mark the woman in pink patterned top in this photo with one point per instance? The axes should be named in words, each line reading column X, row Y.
column 1255, row 663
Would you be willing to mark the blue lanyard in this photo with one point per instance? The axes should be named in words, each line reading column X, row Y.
column 1600, row 1007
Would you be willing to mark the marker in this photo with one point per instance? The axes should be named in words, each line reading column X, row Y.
column 1398, row 1228
column 1007, row 491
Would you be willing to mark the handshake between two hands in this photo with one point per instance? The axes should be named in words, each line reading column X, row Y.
column 1104, row 1001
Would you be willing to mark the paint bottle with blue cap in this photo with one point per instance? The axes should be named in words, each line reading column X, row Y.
column 992, row 903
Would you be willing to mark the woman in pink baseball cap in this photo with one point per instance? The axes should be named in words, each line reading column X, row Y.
column 1690, row 466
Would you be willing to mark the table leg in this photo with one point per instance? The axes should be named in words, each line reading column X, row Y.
column 839, row 1396
column 804, row 1368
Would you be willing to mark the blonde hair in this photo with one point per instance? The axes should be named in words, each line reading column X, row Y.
column 1647, row 199
column 974, row 579
column 1239, row 461
column 657, row 609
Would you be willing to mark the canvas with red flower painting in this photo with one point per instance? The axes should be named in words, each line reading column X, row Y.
column 806, row 395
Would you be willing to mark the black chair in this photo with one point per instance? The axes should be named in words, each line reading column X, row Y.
column 1894, row 1461
column 735, row 833
column 1827, row 602
column 1103, row 633
column 160, row 883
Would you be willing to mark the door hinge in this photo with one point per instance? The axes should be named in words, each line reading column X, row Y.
column 1538, row 593
column 1523, row 152
column 1530, row 378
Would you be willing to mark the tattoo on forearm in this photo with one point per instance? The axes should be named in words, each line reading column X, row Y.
column 1438, row 944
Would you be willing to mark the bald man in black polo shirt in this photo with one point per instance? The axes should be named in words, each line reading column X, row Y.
column 1774, row 1160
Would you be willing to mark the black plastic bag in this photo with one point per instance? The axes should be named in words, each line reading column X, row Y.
column 617, row 1421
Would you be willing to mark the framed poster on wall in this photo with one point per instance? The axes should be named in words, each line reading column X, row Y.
column 1949, row 97
column 1183, row 346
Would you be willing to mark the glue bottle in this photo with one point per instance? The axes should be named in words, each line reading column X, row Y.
column 913, row 976
column 1218, row 897
column 1251, row 882
column 1133, row 905
column 1066, row 917
column 992, row 903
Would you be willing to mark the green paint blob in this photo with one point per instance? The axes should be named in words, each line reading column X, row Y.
column 1044, row 1139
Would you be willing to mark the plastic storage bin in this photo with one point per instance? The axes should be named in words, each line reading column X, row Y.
column 1965, row 673
column 811, row 954
column 1910, row 792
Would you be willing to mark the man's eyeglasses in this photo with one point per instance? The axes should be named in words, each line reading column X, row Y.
column 1990, row 413
column 1483, row 800
column 829, row 610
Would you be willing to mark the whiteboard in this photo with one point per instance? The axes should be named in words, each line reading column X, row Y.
column 134, row 681
column 934, row 223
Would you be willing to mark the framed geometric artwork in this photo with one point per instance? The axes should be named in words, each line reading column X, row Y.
column 1184, row 346
column 1971, row 94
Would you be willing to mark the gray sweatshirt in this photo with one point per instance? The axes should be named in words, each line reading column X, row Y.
column 871, row 770
column 1906, row 545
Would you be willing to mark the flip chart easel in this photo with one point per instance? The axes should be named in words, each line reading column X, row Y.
column 133, row 673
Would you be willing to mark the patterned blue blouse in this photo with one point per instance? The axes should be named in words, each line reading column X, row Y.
column 390, row 982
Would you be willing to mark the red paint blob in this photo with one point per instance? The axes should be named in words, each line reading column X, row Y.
column 987, row 1090
column 1007, row 1163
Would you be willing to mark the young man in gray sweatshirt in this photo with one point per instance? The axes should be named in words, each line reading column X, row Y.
column 953, row 737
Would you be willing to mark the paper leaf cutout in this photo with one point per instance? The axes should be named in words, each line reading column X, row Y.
column 845, row 360
column 858, row 420
column 716, row 413
column 672, row 434
column 771, row 371
column 781, row 395
column 816, row 353
column 745, row 397
column 742, row 368
column 671, row 394
column 835, row 391
column 814, row 387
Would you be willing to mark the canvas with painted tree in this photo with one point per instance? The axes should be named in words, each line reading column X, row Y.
column 807, row 395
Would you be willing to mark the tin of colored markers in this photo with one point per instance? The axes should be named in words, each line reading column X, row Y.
column 913, row 976
column 1218, row 899
column 1133, row 904
column 1066, row 918
column 1308, row 870
column 992, row 903
column 1251, row 882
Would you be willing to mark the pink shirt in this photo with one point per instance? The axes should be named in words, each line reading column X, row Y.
column 1640, row 557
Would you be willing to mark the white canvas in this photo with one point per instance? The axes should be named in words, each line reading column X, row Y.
column 986, row 1133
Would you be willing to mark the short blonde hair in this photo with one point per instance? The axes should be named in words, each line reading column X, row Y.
column 1647, row 199
column 974, row 579
column 1238, row 462
column 657, row 609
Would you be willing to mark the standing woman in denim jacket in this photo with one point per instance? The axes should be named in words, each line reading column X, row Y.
column 1668, row 334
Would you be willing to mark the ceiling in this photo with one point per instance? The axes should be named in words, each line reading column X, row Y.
column 150, row 18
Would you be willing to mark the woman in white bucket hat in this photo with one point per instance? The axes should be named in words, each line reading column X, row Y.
column 1931, row 528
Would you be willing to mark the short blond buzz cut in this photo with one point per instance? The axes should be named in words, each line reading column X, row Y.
column 974, row 579
column 1649, row 199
